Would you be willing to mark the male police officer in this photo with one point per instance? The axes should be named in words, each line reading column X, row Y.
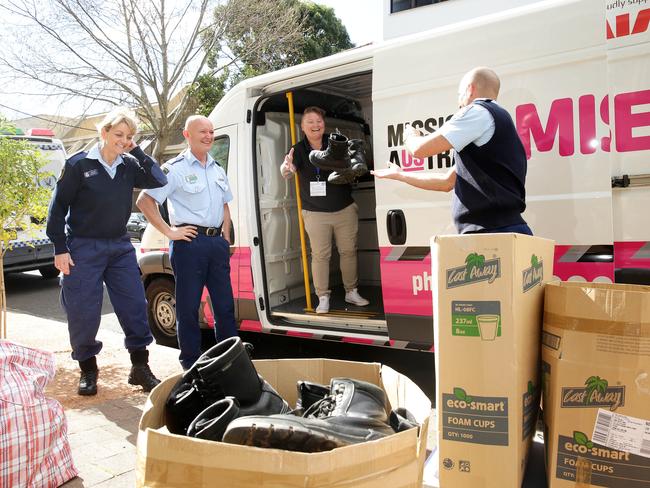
column 490, row 163
column 197, row 194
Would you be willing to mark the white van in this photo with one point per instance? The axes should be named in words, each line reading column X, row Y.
column 32, row 250
column 575, row 75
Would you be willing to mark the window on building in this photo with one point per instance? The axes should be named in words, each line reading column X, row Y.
column 220, row 150
column 400, row 5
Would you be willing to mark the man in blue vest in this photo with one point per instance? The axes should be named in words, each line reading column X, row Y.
column 197, row 194
column 489, row 169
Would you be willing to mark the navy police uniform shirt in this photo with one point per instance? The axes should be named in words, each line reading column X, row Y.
column 89, row 202
column 195, row 193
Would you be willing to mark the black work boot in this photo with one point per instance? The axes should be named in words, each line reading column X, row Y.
column 358, row 165
column 225, row 370
column 308, row 394
column 140, row 372
column 211, row 423
column 182, row 406
column 358, row 161
column 401, row 419
column 88, row 378
column 335, row 157
column 343, row 177
column 354, row 411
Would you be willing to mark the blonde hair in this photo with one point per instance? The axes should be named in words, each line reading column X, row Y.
column 117, row 116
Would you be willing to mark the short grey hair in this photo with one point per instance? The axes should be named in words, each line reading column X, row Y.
column 117, row 116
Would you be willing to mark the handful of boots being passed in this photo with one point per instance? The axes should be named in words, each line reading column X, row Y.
column 223, row 398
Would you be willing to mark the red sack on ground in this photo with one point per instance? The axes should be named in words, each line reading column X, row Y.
column 34, row 448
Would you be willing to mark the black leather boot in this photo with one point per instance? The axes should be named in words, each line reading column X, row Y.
column 141, row 374
column 354, row 411
column 183, row 404
column 335, row 157
column 342, row 177
column 225, row 370
column 211, row 423
column 88, row 378
column 401, row 419
column 308, row 394
column 358, row 165
column 358, row 160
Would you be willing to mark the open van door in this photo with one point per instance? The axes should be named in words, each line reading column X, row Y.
column 552, row 85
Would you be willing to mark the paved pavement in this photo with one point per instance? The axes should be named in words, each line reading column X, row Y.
column 102, row 430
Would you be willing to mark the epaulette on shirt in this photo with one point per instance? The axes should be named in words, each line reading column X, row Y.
column 171, row 162
column 76, row 157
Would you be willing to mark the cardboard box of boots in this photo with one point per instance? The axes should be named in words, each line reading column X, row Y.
column 349, row 431
column 488, row 300
column 596, row 377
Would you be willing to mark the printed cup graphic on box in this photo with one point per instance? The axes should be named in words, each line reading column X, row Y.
column 476, row 319
column 487, row 326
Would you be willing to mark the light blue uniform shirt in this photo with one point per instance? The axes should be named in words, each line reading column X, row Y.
column 111, row 170
column 472, row 123
column 195, row 194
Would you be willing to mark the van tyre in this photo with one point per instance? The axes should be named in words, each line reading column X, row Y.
column 161, row 311
column 49, row 272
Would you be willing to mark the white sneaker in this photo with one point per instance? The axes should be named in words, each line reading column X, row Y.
column 323, row 304
column 354, row 298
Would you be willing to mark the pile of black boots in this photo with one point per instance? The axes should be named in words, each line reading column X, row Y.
column 346, row 158
column 222, row 398
column 219, row 387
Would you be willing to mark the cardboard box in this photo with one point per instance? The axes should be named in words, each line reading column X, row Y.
column 596, row 378
column 164, row 459
column 488, row 299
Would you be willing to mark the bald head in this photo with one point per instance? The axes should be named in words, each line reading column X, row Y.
column 199, row 134
column 193, row 119
column 479, row 82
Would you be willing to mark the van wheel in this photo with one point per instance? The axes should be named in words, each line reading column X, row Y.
column 48, row 272
column 161, row 309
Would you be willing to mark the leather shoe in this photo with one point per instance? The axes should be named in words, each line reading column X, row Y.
column 141, row 375
column 88, row 383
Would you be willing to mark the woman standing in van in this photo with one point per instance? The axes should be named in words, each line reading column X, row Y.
column 86, row 222
column 327, row 210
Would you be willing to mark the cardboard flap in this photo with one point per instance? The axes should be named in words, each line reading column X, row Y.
column 600, row 308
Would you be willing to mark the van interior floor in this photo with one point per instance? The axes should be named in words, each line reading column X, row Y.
column 340, row 311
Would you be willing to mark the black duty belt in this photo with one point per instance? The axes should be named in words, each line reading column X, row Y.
column 208, row 231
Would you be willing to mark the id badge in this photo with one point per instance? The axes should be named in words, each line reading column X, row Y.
column 317, row 188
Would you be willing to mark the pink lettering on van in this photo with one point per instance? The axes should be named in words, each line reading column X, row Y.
column 410, row 163
column 629, row 118
column 560, row 123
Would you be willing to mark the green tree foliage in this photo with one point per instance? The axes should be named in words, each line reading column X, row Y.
column 23, row 201
column 322, row 34
column 207, row 90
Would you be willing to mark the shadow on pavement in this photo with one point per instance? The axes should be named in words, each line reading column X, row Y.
column 31, row 294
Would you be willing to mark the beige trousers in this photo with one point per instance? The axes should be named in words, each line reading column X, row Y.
column 320, row 226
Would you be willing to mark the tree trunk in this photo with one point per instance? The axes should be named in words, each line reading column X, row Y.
column 161, row 144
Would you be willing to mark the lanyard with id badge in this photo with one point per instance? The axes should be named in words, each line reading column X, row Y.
column 317, row 188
